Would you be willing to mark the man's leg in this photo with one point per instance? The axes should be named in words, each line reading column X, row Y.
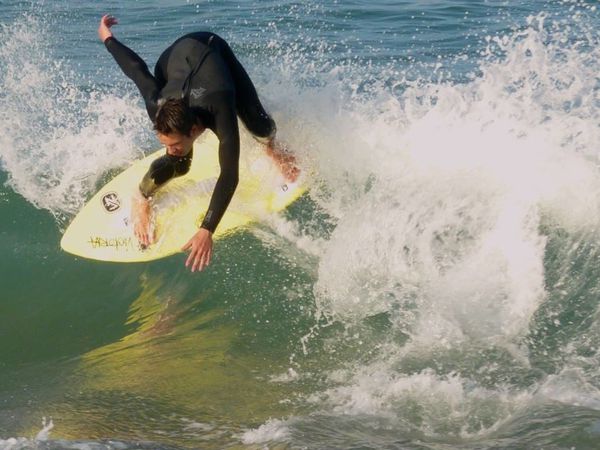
column 252, row 113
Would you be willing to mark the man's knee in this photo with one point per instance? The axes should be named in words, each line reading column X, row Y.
column 267, row 133
column 261, row 126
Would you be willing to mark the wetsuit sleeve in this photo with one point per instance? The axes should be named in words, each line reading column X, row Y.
column 136, row 69
column 164, row 169
column 226, row 129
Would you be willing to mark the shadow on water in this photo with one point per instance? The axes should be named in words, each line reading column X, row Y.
column 197, row 362
column 54, row 308
column 145, row 351
column 53, row 303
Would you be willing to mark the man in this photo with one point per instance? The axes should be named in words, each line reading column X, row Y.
column 198, row 83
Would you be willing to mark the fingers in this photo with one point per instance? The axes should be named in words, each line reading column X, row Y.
column 196, row 262
column 142, row 239
column 190, row 258
column 198, row 259
column 205, row 259
column 187, row 246
column 109, row 20
column 208, row 256
column 151, row 235
column 200, row 246
column 106, row 22
column 142, row 235
column 199, row 262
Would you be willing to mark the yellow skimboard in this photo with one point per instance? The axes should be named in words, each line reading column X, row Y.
column 103, row 229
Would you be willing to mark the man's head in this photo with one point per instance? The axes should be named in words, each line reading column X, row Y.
column 176, row 126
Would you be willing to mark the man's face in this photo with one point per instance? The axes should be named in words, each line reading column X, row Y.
column 179, row 144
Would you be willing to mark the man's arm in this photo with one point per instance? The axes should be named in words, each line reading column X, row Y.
column 226, row 129
column 131, row 64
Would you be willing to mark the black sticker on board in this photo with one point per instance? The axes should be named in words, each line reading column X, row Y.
column 111, row 202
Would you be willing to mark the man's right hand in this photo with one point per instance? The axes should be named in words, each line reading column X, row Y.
column 106, row 22
column 141, row 214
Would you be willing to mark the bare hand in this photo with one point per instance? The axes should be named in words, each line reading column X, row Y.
column 106, row 22
column 201, row 245
column 141, row 214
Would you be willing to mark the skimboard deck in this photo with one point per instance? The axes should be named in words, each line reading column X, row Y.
column 103, row 229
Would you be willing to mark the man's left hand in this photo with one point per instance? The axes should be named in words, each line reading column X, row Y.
column 200, row 246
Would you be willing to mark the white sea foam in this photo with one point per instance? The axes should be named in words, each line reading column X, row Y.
column 450, row 218
column 572, row 387
column 271, row 431
column 22, row 443
column 437, row 404
column 440, row 197
column 56, row 140
column 286, row 377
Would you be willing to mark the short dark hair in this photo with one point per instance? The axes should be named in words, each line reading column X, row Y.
column 174, row 116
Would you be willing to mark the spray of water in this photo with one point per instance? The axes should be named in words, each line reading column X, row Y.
column 443, row 197
column 60, row 134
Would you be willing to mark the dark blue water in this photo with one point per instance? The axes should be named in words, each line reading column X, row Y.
column 437, row 288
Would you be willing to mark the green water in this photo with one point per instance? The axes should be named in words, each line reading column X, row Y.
column 138, row 342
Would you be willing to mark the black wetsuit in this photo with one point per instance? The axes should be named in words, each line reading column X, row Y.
column 203, row 69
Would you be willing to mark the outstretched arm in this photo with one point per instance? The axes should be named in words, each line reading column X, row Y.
column 226, row 129
column 229, row 154
column 131, row 64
